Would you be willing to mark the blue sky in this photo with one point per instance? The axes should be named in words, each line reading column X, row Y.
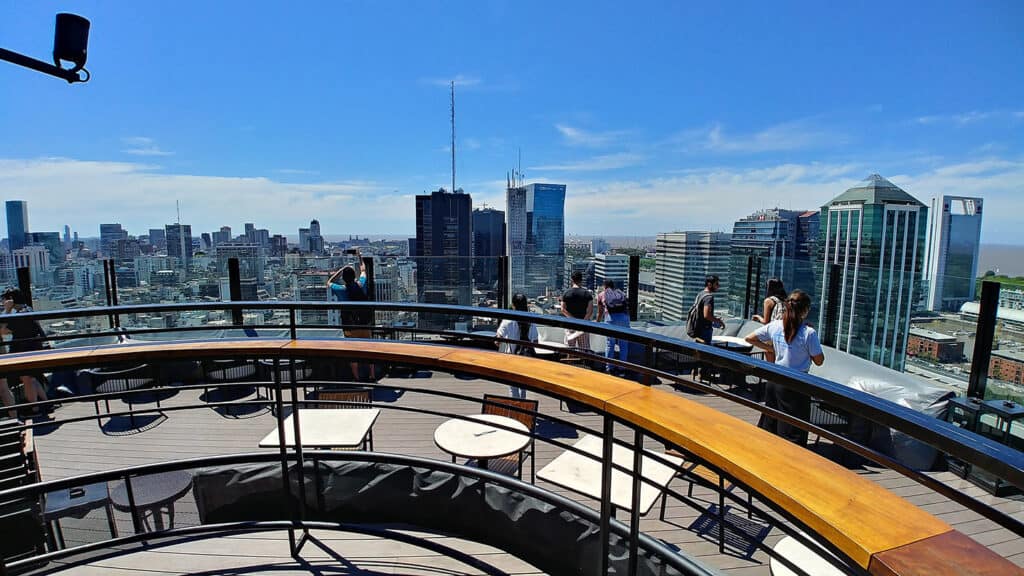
column 658, row 116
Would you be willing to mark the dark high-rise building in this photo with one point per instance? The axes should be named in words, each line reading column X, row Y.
column 207, row 240
column 179, row 243
column 250, row 233
column 67, row 237
column 873, row 245
column 278, row 245
column 444, row 229
column 109, row 235
column 223, row 236
column 17, row 223
column 158, row 238
column 488, row 245
column 53, row 245
column 536, row 237
column 781, row 243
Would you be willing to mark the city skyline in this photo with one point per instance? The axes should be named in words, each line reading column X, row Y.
column 689, row 112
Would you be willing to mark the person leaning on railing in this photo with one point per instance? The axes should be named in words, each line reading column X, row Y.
column 795, row 345
column 25, row 334
column 354, row 323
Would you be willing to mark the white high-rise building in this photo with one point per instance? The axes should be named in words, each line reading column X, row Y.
column 683, row 261
column 952, row 262
column 613, row 267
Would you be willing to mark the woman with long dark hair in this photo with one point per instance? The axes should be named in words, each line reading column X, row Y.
column 517, row 330
column 795, row 345
column 773, row 305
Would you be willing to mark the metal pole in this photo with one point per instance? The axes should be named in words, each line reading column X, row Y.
column 25, row 283
column 106, row 291
column 39, row 66
column 831, row 328
column 371, row 288
column 634, row 518
column 746, row 295
column 633, row 290
column 113, row 293
column 503, row 292
column 606, row 492
column 235, row 289
column 984, row 337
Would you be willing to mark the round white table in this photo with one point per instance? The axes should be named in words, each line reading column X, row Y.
column 475, row 439
column 732, row 343
column 819, row 562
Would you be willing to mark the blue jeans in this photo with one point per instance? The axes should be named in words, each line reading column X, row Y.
column 617, row 319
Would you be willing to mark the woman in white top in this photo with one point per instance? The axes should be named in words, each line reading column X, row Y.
column 796, row 346
column 514, row 330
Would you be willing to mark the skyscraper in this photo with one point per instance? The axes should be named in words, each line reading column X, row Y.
column 250, row 261
column 873, row 236
column 53, row 244
column 109, row 235
column 444, row 228
column 682, row 261
column 179, row 243
column 303, row 239
column 951, row 265
column 250, row 233
column 17, row 223
column 158, row 238
column 488, row 245
column 535, row 217
column 614, row 267
column 782, row 242
column 67, row 237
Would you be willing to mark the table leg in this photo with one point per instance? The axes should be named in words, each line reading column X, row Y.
column 483, row 463
column 158, row 519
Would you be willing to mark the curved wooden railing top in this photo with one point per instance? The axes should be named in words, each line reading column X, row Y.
column 881, row 532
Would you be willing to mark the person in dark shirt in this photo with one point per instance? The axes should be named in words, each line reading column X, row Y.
column 577, row 302
column 23, row 332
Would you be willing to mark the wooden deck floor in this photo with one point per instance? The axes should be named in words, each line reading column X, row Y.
column 80, row 448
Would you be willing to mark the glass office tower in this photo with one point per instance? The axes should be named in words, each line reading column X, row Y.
column 873, row 246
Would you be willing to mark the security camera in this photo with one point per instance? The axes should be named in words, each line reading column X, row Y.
column 70, row 40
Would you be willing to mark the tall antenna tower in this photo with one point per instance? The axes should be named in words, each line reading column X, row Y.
column 453, row 135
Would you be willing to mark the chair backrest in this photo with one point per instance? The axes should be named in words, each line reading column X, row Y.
column 229, row 370
column 139, row 375
column 20, row 520
column 356, row 396
column 499, row 405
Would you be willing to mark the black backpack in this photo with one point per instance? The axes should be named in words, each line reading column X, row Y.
column 695, row 318
column 361, row 317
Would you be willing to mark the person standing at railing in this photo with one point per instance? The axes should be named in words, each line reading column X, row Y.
column 701, row 320
column 515, row 330
column 577, row 302
column 354, row 323
column 796, row 346
column 25, row 334
column 773, row 307
column 613, row 308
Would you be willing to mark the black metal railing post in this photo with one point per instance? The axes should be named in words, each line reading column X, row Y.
column 25, row 283
column 292, row 332
column 606, row 492
column 235, row 289
column 634, row 518
column 113, row 293
column 504, row 298
column 106, row 291
column 371, row 288
column 984, row 337
column 136, row 523
column 747, row 295
column 831, row 327
column 633, row 288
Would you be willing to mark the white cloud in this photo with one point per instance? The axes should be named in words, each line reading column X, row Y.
column 85, row 193
column 142, row 146
column 296, row 172
column 967, row 118
column 597, row 163
column 461, row 81
column 579, row 137
column 780, row 137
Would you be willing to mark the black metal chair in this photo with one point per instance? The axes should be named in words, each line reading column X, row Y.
column 24, row 533
column 119, row 379
column 228, row 371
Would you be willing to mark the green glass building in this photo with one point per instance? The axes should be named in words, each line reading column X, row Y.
column 875, row 232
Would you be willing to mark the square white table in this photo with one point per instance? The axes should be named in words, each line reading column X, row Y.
column 326, row 428
column 581, row 474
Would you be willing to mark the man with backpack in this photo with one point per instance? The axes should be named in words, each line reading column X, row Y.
column 613, row 308
column 354, row 323
column 701, row 320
